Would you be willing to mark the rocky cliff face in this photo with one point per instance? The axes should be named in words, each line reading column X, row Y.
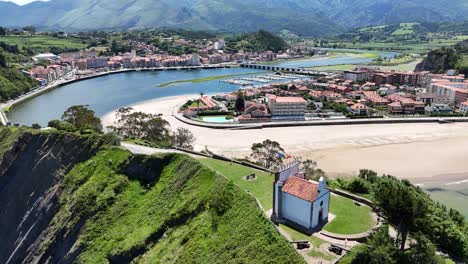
column 30, row 176
column 439, row 61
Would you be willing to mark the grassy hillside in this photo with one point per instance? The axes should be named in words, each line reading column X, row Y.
column 302, row 17
column 160, row 209
column 43, row 43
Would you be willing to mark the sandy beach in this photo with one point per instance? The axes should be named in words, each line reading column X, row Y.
column 414, row 151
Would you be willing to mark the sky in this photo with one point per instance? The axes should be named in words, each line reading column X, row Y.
column 21, row 2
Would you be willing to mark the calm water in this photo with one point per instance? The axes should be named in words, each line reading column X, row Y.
column 111, row 92
column 107, row 93
column 217, row 119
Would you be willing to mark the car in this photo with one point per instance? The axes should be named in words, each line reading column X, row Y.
column 335, row 249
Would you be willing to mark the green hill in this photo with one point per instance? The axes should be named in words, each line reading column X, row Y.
column 102, row 204
column 443, row 59
column 301, row 17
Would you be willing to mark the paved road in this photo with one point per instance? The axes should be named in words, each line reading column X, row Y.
column 137, row 149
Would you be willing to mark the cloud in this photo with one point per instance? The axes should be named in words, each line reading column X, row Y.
column 21, row 2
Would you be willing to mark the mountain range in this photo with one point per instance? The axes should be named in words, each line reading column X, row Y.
column 304, row 17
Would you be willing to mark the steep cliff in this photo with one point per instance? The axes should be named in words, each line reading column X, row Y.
column 30, row 175
column 68, row 199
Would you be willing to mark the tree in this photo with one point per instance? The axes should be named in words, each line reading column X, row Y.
column 380, row 249
column 2, row 31
column 114, row 47
column 423, row 251
column 139, row 125
column 401, row 203
column 82, row 118
column 183, row 138
column 30, row 29
column 2, row 60
column 309, row 168
column 240, row 102
column 267, row 153
column 36, row 126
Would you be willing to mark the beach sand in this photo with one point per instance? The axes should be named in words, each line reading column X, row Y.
column 412, row 151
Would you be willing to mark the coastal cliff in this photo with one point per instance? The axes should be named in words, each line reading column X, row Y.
column 73, row 199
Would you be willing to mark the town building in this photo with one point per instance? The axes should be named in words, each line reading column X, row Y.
column 287, row 108
column 358, row 110
column 296, row 201
column 464, row 108
column 438, row 109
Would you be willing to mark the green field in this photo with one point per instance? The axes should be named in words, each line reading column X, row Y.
column 350, row 218
column 347, row 67
column 43, row 42
column 261, row 188
column 405, row 29
column 408, row 46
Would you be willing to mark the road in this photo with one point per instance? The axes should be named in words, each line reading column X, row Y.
column 137, row 149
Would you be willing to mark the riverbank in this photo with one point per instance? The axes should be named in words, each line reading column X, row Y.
column 419, row 150
column 39, row 91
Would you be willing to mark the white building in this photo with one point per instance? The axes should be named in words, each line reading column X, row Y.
column 287, row 108
column 45, row 56
column 219, row 45
column 464, row 108
column 300, row 202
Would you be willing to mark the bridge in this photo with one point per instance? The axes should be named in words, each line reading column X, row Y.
column 283, row 69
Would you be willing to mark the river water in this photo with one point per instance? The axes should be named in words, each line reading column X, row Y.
column 107, row 93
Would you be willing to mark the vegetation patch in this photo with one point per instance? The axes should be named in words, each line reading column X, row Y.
column 261, row 188
column 157, row 209
column 351, row 218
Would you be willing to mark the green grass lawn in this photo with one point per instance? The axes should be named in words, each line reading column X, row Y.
column 350, row 218
column 43, row 42
column 262, row 187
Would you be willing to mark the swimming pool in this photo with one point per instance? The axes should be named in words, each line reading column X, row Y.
column 216, row 119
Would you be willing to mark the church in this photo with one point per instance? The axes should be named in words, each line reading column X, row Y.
column 300, row 202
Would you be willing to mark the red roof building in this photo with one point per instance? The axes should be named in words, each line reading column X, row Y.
column 301, row 188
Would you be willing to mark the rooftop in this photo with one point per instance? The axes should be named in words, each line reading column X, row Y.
column 301, row 189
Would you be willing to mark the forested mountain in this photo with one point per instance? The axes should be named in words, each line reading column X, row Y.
column 309, row 17
column 441, row 60
column 12, row 81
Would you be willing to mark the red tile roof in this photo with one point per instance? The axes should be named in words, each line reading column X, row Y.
column 301, row 188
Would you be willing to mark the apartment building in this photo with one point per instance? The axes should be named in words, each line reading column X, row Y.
column 287, row 108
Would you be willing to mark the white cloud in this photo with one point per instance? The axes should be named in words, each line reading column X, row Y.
column 21, row 2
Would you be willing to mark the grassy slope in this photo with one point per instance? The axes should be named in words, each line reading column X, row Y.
column 42, row 42
column 8, row 136
column 350, row 218
column 186, row 214
column 262, row 187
